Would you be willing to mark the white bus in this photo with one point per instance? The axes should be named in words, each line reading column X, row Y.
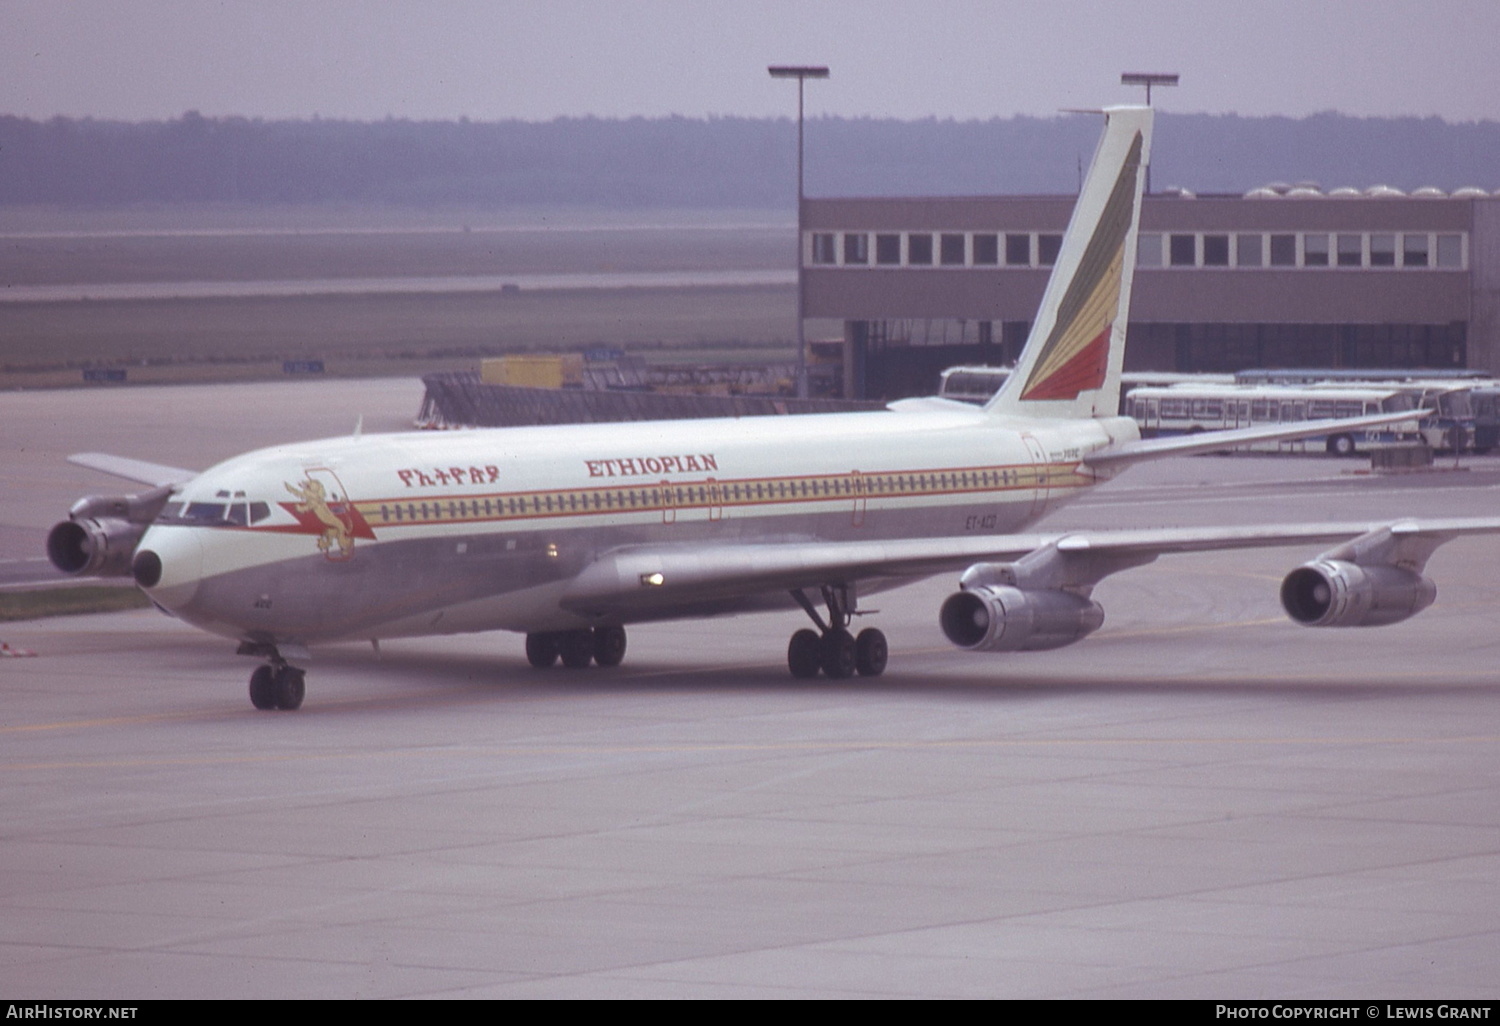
column 1185, row 409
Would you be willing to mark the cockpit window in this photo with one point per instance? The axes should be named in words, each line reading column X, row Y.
column 229, row 508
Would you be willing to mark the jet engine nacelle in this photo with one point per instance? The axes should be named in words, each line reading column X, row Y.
column 1335, row 593
column 94, row 548
column 1001, row 618
column 100, row 535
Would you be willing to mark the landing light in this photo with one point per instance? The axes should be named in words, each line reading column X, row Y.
column 652, row 580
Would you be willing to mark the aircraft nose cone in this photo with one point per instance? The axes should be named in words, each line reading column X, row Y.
column 169, row 564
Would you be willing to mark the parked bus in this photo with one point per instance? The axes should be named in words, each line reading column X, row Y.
column 1349, row 375
column 1185, row 409
column 1484, row 399
column 972, row 384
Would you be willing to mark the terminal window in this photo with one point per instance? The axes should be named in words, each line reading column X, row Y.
column 1215, row 251
column 1315, row 250
column 887, row 249
column 986, row 248
column 1383, row 250
column 1047, row 248
column 1183, row 250
column 1018, row 249
column 1414, row 250
column 1351, row 251
column 919, row 249
column 1283, row 251
column 856, row 248
column 1247, row 251
column 823, row 251
column 1450, row 251
column 952, row 248
column 1148, row 250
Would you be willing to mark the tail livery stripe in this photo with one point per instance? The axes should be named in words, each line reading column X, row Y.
column 1075, row 357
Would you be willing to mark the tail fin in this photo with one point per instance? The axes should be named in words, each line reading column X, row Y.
column 1070, row 366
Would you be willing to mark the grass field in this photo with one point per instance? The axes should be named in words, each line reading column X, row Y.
column 46, row 344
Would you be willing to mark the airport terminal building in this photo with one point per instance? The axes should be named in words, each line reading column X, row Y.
column 1279, row 277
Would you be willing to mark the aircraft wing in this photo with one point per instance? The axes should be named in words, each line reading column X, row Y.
column 657, row 579
column 1215, row 441
column 154, row 474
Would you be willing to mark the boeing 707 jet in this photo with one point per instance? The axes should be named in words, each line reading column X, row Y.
column 570, row 534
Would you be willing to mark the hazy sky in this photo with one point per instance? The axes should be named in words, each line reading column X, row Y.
column 444, row 59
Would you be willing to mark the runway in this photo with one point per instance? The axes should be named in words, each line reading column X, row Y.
column 1202, row 800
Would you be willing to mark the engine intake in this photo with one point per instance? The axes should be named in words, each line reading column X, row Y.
column 94, row 548
column 1000, row 618
column 1335, row 593
column 100, row 535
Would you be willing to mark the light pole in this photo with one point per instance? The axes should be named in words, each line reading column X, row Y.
column 801, row 72
column 1148, row 79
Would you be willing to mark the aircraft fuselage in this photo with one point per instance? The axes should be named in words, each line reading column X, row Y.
column 423, row 533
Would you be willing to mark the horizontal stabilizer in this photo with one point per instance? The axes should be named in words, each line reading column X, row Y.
column 1215, row 441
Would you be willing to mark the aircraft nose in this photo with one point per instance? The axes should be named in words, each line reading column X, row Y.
column 169, row 565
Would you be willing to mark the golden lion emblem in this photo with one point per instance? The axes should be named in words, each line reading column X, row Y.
column 315, row 501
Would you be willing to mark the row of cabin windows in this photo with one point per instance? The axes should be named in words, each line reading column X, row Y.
column 1301, row 249
column 652, row 498
column 942, row 249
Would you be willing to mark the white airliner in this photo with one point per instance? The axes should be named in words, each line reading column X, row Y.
column 568, row 534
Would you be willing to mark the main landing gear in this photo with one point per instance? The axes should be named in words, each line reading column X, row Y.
column 832, row 648
column 276, row 684
column 603, row 646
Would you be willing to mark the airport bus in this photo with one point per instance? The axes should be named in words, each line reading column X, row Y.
column 1484, row 399
column 1186, row 409
column 1350, row 375
column 972, row 384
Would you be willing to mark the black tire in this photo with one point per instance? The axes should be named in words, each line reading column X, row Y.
column 1341, row 445
column 870, row 652
column 838, row 654
column 263, row 688
column 577, row 648
column 541, row 650
column 291, row 686
column 609, row 645
column 804, row 654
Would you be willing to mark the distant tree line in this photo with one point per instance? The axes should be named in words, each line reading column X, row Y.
column 698, row 162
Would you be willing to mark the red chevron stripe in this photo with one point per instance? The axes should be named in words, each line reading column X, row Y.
column 1083, row 372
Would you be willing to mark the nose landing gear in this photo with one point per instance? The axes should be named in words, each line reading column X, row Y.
column 277, row 687
column 832, row 648
column 276, row 684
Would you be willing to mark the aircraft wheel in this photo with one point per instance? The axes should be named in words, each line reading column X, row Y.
column 577, row 648
column 541, row 650
column 263, row 687
column 291, row 686
column 838, row 654
column 1341, row 445
column 804, row 656
column 609, row 645
column 870, row 652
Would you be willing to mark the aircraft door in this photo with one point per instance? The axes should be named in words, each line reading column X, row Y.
column 1039, row 470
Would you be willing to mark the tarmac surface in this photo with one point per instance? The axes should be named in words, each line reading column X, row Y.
column 1202, row 800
